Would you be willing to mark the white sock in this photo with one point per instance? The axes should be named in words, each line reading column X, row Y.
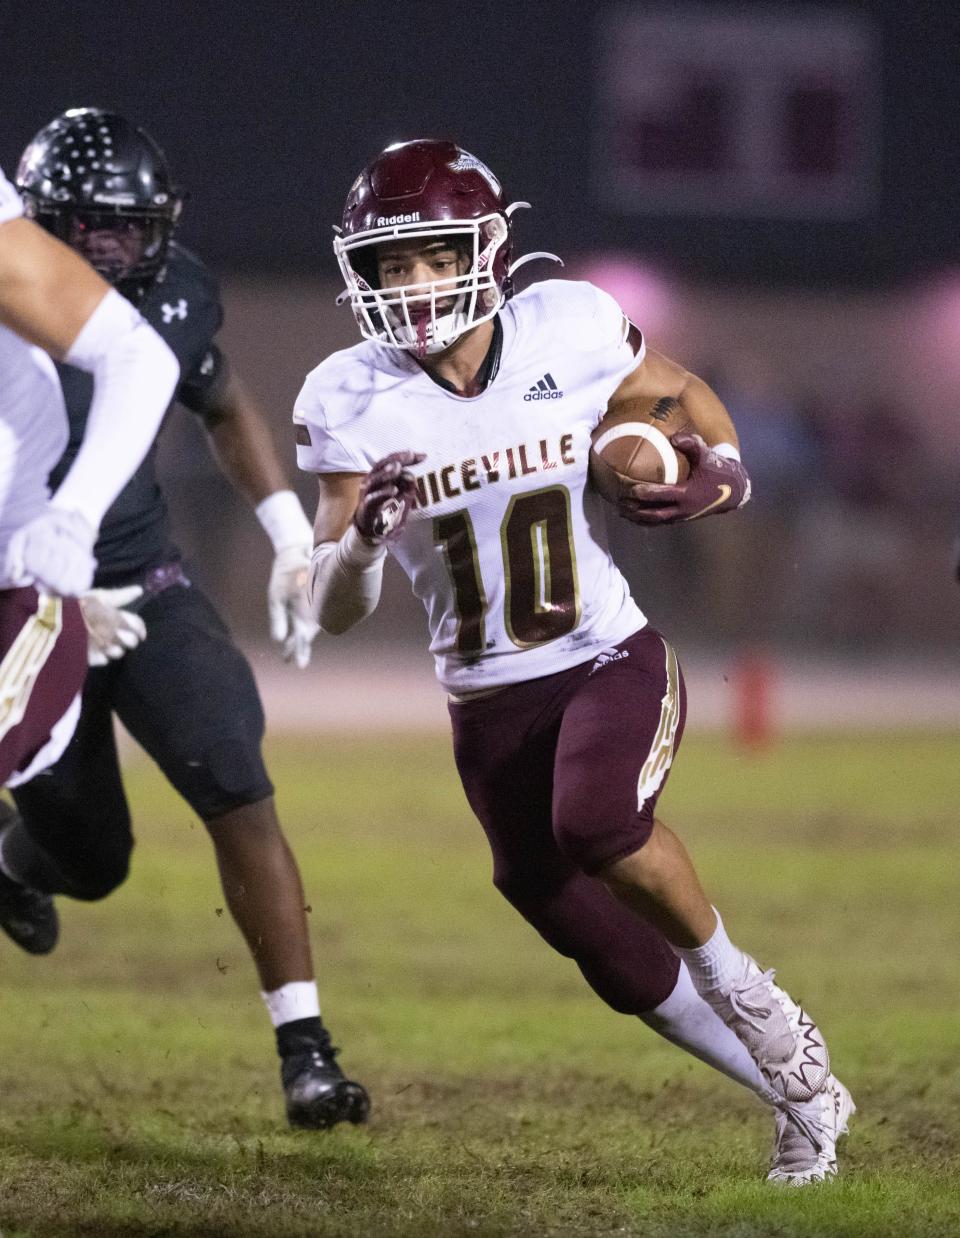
column 686, row 1020
column 296, row 1000
column 717, row 964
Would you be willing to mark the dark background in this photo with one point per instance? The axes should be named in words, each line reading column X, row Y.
column 835, row 342
column 267, row 112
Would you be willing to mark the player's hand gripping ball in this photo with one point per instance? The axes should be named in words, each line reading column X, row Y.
column 646, row 460
column 715, row 484
column 632, row 444
column 386, row 496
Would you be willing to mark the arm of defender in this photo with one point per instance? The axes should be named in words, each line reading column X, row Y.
column 245, row 452
column 243, row 445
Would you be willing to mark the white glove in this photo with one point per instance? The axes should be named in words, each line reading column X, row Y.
column 111, row 630
column 291, row 623
column 53, row 551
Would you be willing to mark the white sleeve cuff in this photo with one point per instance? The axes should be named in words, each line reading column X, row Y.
column 356, row 554
column 344, row 581
column 283, row 520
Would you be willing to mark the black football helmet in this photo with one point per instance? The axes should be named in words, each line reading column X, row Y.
column 102, row 185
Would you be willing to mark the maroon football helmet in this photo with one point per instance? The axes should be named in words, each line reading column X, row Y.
column 426, row 189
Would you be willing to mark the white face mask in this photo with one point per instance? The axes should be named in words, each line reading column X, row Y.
column 426, row 318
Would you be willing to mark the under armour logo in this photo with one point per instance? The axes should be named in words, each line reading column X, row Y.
column 170, row 312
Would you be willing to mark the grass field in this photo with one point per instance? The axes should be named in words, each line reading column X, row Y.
column 139, row 1087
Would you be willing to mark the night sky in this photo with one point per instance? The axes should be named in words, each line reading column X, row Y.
column 267, row 112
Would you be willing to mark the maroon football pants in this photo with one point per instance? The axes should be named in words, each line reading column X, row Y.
column 43, row 662
column 564, row 773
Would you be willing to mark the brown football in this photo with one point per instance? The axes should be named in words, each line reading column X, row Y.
column 633, row 444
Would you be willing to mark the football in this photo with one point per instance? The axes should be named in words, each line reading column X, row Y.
column 633, row 444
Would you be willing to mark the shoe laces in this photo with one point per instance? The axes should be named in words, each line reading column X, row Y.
column 752, row 1012
column 813, row 1127
column 320, row 1050
column 324, row 1057
column 324, row 1045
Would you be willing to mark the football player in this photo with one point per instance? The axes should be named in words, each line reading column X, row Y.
column 162, row 659
column 50, row 300
column 456, row 437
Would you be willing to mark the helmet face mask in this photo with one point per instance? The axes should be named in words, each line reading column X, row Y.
column 425, row 191
column 102, row 186
column 425, row 317
column 119, row 246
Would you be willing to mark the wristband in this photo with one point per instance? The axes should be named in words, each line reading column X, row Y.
column 355, row 553
column 727, row 450
column 283, row 520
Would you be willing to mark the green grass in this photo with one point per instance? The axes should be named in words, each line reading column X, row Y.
column 139, row 1087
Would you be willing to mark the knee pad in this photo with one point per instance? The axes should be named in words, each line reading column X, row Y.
column 98, row 876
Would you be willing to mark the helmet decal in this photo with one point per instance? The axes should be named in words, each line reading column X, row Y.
column 465, row 162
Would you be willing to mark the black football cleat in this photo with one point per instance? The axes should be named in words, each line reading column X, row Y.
column 28, row 917
column 318, row 1093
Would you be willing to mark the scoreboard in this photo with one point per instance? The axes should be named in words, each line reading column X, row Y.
column 770, row 114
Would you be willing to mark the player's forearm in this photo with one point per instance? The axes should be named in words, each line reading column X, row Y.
column 709, row 416
column 134, row 375
column 344, row 582
column 658, row 376
column 243, row 446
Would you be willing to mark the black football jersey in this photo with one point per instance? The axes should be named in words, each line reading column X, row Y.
column 184, row 308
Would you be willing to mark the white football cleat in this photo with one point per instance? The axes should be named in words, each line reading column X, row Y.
column 781, row 1038
column 805, row 1145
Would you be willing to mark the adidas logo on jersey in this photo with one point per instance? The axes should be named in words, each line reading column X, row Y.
column 608, row 656
column 544, row 389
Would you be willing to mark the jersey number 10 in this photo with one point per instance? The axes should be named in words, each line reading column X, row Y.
column 542, row 593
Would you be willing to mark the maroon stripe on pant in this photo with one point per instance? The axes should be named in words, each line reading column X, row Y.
column 58, row 681
column 551, row 769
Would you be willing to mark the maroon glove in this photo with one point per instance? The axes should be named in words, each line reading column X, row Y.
column 386, row 496
column 716, row 484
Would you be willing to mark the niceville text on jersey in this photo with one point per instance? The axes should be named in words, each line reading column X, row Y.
column 506, row 544
column 521, row 460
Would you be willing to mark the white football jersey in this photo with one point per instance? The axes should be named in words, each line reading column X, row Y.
column 33, row 418
column 507, row 545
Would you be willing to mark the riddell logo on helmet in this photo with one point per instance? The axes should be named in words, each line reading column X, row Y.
column 384, row 221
